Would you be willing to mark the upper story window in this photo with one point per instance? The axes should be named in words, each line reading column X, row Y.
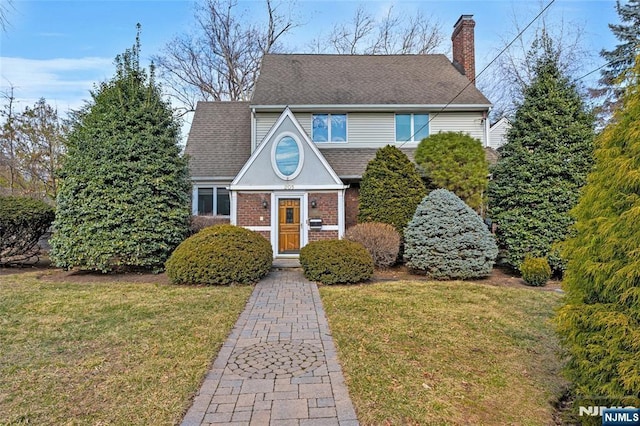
column 213, row 202
column 411, row 127
column 329, row 127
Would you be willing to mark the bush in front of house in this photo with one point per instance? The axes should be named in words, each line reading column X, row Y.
column 198, row 223
column 535, row 271
column 390, row 190
column 336, row 262
column 446, row 239
column 220, row 255
column 381, row 240
column 457, row 162
column 23, row 221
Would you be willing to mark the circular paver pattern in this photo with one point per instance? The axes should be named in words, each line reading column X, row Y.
column 276, row 360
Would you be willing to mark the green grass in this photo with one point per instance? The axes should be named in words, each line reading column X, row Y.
column 446, row 352
column 108, row 353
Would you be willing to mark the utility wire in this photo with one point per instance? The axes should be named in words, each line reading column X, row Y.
column 432, row 116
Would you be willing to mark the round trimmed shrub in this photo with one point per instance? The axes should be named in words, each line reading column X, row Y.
column 22, row 222
column 221, row 254
column 381, row 240
column 446, row 239
column 336, row 262
column 535, row 271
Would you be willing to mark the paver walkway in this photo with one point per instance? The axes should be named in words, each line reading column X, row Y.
column 279, row 365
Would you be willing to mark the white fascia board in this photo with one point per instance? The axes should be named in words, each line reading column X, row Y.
column 262, row 188
column 375, row 107
column 212, row 178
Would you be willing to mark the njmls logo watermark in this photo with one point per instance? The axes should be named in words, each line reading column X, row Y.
column 621, row 417
column 624, row 411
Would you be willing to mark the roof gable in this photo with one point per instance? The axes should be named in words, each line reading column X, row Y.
column 362, row 80
column 261, row 170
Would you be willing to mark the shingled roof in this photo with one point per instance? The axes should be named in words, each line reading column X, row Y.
column 350, row 163
column 287, row 79
column 219, row 141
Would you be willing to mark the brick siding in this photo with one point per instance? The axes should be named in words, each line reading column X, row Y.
column 250, row 209
column 322, row 235
column 326, row 207
column 351, row 202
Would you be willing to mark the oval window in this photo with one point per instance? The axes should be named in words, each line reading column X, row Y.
column 287, row 156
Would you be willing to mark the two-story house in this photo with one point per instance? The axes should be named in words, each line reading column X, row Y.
column 288, row 163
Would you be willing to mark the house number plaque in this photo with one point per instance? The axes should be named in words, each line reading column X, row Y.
column 288, row 186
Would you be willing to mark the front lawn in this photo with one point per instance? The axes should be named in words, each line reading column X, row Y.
column 446, row 352
column 107, row 353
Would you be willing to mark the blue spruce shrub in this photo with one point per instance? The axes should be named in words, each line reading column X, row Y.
column 446, row 239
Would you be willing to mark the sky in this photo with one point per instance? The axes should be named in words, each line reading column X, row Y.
column 60, row 49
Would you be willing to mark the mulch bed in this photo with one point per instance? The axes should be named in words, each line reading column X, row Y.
column 501, row 277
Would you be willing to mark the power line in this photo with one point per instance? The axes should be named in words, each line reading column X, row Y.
column 432, row 116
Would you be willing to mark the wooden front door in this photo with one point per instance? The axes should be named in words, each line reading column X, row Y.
column 289, row 225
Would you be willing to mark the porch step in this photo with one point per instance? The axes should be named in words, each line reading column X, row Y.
column 286, row 263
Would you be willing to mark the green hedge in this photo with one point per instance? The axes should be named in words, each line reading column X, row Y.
column 336, row 262
column 221, row 254
column 23, row 221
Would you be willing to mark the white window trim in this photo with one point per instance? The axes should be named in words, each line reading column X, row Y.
column 329, row 141
column 413, row 130
column 194, row 204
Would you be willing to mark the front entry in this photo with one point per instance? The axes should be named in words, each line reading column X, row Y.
column 289, row 226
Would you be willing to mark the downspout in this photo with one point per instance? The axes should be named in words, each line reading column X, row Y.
column 486, row 128
column 253, row 129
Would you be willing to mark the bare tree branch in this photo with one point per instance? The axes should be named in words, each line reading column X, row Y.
column 393, row 34
column 5, row 7
column 514, row 70
column 220, row 60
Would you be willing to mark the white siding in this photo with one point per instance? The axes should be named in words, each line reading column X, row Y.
column 374, row 129
column 266, row 120
column 498, row 133
column 465, row 122
column 370, row 128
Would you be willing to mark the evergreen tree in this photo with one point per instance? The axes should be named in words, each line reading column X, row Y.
column 599, row 323
column 455, row 161
column 391, row 189
column 542, row 167
column 123, row 198
column 620, row 58
column 447, row 240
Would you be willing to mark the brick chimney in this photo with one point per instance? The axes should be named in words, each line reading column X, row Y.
column 464, row 55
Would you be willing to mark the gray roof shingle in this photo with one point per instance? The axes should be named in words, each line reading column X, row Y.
column 352, row 162
column 299, row 79
column 219, row 141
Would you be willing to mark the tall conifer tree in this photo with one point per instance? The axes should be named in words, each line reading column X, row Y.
column 543, row 165
column 123, row 199
column 600, row 321
column 620, row 58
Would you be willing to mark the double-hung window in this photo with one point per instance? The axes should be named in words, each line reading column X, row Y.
column 411, row 127
column 213, row 202
column 329, row 127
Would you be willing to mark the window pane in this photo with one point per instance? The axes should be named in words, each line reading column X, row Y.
column 320, row 128
column 205, row 201
column 223, row 201
column 338, row 128
column 420, row 126
column 287, row 156
column 403, row 127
